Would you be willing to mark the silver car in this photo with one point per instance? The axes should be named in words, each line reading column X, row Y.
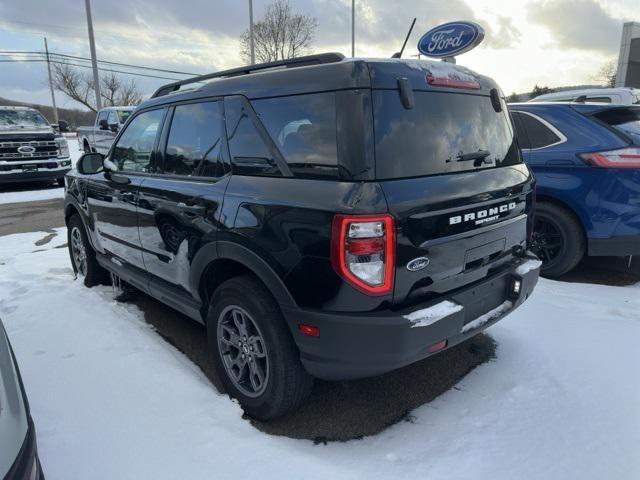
column 18, row 451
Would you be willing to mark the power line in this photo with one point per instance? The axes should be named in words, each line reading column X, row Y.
column 142, row 67
column 89, row 66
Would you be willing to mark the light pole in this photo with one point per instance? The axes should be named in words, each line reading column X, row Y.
column 94, row 63
column 251, row 44
column 53, row 96
column 353, row 28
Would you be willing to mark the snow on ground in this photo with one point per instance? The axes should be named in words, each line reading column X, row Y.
column 112, row 400
column 35, row 192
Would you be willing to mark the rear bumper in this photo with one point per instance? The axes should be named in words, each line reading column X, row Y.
column 620, row 246
column 366, row 344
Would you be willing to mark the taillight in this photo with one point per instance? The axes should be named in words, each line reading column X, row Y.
column 363, row 251
column 623, row 158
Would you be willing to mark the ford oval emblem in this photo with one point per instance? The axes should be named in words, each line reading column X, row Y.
column 418, row 264
column 26, row 149
column 450, row 39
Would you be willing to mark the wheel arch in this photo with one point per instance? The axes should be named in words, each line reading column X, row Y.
column 542, row 198
column 230, row 260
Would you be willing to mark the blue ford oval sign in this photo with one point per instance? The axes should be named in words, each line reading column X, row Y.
column 451, row 39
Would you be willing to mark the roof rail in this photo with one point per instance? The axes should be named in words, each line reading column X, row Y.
column 249, row 69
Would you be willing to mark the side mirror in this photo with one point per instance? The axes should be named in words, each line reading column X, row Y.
column 90, row 163
column 113, row 127
column 63, row 126
column 103, row 124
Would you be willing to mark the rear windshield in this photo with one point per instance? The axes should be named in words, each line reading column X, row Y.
column 625, row 120
column 442, row 133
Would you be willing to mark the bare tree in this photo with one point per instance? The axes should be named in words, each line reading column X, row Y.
column 73, row 84
column 79, row 87
column 607, row 73
column 281, row 34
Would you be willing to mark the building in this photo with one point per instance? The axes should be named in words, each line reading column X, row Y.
column 628, row 73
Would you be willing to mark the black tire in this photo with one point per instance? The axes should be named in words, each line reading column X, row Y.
column 558, row 239
column 287, row 383
column 86, row 147
column 60, row 182
column 92, row 273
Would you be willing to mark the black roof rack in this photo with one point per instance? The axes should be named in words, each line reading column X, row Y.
column 249, row 69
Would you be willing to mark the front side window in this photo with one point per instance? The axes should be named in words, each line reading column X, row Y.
column 132, row 152
column 304, row 129
column 538, row 133
column 194, row 146
column 250, row 154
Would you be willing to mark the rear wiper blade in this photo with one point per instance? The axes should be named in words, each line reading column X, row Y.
column 479, row 155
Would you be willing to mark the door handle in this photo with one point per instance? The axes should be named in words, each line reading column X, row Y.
column 192, row 210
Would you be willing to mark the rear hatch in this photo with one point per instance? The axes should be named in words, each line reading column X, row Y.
column 453, row 178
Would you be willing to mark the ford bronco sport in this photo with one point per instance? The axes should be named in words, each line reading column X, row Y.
column 323, row 217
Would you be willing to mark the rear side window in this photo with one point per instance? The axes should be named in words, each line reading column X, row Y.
column 625, row 120
column 194, row 146
column 534, row 131
column 250, row 154
column 304, row 129
column 443, row 133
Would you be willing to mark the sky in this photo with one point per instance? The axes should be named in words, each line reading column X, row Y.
column 527, row 42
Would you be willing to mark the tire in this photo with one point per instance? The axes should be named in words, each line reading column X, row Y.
column 86, row 147
column 60, row 182
column 558, row 239
column 286, row 384
column 90, row 271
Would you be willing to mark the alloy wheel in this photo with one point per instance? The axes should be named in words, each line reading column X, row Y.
column 243, row 351
column 78, row 252
column 547, row 242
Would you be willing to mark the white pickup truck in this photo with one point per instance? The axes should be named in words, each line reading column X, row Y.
column 100, row 136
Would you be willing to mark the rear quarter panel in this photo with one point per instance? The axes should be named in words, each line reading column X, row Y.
column 287, row 222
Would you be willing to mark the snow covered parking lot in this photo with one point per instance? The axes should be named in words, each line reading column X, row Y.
column 112, row 400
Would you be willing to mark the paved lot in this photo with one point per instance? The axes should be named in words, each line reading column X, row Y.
column 31, row 216
column 336, row 410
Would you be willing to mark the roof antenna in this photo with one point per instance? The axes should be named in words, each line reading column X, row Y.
column 399, row 54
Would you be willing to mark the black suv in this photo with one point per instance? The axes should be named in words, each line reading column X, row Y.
column 323, row 217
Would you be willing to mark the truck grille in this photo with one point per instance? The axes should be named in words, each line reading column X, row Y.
column 32, row 150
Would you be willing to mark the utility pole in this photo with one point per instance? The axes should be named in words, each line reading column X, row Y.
column 251, row 41
column 94, row 63
column 353, row 28
column 53, row 96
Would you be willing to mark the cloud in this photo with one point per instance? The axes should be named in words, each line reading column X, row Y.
column 581, row 24
column 507, row 34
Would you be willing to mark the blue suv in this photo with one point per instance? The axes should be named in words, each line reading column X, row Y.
column 586, row 159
